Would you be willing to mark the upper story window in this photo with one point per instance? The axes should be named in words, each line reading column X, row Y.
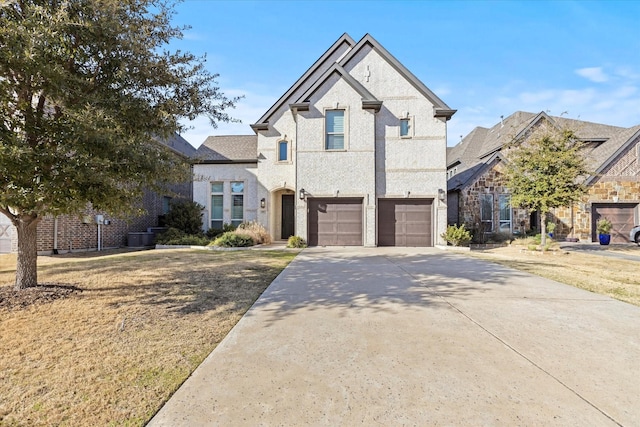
column 283, row 151
column 335, row 130
column 405, row 128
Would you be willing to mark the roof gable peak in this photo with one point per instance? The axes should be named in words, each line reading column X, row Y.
column 344, row 42
column 441, row 109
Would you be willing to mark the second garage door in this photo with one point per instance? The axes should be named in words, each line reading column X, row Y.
column 621, row 216
column 404, row 222
column 335, row 222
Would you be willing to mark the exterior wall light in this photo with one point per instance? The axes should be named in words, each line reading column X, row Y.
column 302, row 194
column 442, row 195
column 263, row 203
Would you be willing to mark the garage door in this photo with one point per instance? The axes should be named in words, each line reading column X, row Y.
column 335, row 222
column 621, row 216
column 404, row 222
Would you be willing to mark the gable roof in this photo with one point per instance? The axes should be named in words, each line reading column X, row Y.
column 610, row 151
column 441, row 109
column 228, row 149
column 475, row 150
column 344, row 50
column 178, row 144
column 368, row 100
column 343, row 43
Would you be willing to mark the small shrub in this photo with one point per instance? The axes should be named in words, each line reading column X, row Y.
column 168, row 235
column 500, row 237
column 604, row 226
column 296, row 242
column 256, row 231
column 213, row 233
column 457, row 235
column 186, row 216
column 233, row 239
column 189, row 240
column 228, row 227
column 551, row 227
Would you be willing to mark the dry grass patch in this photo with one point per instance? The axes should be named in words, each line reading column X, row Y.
column 114, row 352
column 616, row 278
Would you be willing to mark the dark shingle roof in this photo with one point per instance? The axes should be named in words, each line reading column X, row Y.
column 228, row 149
column 179, row 144
column 477, row 149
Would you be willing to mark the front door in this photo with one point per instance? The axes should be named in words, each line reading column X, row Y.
column 288, row 216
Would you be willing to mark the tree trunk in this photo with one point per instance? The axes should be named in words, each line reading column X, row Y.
column 27, row 265
column 543, row 230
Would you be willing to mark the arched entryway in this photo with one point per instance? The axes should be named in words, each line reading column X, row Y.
column 283, row 218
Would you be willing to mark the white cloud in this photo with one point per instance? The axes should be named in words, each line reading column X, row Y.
column 594, row 74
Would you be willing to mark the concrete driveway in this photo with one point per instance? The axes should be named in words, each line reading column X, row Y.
column 390, row 336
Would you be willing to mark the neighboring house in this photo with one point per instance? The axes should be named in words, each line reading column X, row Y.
column 80, row 232
column 354, row 153
column 478, row 197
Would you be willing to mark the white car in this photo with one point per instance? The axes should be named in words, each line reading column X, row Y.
column 634, row 234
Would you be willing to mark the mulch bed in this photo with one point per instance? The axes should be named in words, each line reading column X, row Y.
column 44, row 293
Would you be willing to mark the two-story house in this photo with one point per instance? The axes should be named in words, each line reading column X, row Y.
column 354, row 153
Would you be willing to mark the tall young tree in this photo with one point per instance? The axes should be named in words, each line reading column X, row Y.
column 545, row 170
column 86, row 88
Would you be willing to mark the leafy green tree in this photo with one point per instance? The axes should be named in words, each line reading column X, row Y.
column 545, row 170
column 86, row 89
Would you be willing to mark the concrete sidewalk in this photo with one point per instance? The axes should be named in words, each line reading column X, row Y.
column 390, row 336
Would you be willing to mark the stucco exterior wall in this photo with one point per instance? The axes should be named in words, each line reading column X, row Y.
column 412, row 166
column 205, row 174
column 338, row 173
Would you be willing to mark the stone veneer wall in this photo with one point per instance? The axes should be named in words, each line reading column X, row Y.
column 600, row 192
column 490, row 182
column 619, row 183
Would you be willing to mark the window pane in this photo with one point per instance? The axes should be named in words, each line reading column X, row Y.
column 335, row 142
column 166, row 205
column 486, row 209
column 404, row 127
column 335, row 121
column 237, row 207
column 237, row 187
column 283, row 149
column 216, row 187
column 216, row 207
column 505, row 209
column 217, row 224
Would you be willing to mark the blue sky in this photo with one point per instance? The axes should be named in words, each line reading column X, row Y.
column 483, row 58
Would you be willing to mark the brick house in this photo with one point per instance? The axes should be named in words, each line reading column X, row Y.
column 80, row 232
column 477, row 195
column 354, row 153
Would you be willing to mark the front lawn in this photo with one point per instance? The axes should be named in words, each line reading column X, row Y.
column 617, row 278
column 125, row 333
